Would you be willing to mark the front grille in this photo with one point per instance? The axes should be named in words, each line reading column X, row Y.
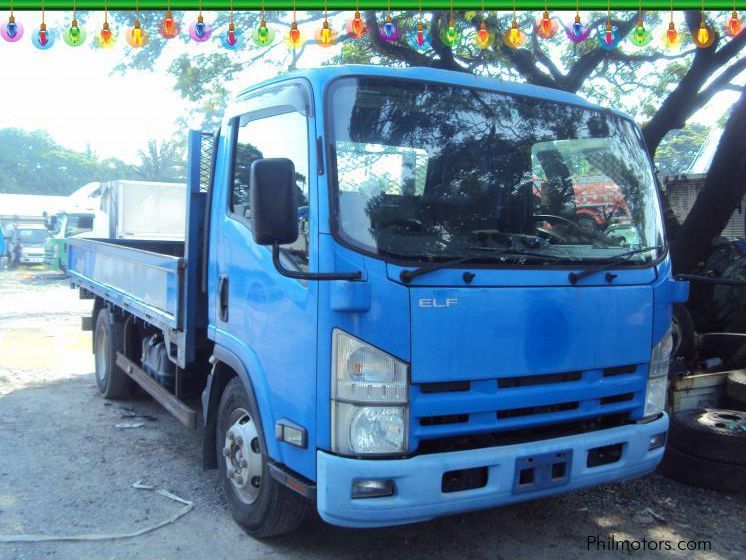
column 482, row 412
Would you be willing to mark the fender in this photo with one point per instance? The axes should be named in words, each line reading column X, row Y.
column 216, row 381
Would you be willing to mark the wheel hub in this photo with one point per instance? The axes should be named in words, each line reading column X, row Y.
column 243, row 457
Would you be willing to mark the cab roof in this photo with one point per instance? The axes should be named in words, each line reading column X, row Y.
column 319, row 77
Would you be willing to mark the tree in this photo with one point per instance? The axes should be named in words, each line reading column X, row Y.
column 33, row 163
column 679, row 149
column 164, row 162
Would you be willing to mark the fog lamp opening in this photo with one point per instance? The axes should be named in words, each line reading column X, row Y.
column 657, row 441
column 372, row 488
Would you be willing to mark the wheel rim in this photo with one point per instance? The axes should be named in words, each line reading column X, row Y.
column 102, row 356
column 243, row 456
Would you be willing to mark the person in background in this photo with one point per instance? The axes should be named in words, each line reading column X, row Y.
column 15, row 259
column 3, row 244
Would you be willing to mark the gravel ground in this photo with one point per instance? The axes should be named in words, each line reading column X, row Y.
column 66, row 469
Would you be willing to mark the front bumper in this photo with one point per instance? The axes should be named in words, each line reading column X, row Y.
column 32, row 259
column 418, row 494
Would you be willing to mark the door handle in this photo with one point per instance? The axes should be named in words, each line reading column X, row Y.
column 223, row 298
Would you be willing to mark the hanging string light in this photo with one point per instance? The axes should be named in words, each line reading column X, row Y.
column 640, row 36
column 232, row 38
column 451, row 35
column 734, row 25
column 577, row 32
column 74, row 35
column 389, row 31
column 608, row 35
column 483, row 38
column 294, row 39
column 13, row 30
column 546, row 27
column 705, row 35
column 199, row 31
column 514, row 37
column 136, row 36
column 356, row 26
column 326, row 36
column 168, row 28
column 418, row 38
column 671, row 38
column 262, row 36
column 105, row 38
column 43, row 38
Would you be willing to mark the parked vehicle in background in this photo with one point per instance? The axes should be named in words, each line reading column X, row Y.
column 117, row 210
column 382, row 319
column 31, row 238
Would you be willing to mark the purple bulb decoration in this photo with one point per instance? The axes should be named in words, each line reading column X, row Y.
column 577, row 32
column 11, row 31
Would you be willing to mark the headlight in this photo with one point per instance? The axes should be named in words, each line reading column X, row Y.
column 655, row 396
column 369, row 392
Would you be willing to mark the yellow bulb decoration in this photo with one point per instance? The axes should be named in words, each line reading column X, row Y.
column 733, row 26
column 105, row 39
column 671, row 39
column 325, row 36
column 483, row 39
column 514, row 37
column 136, row 37
column 705, row 36
column 294, row 39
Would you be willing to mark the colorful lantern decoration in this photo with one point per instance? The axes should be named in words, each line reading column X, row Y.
column 608, row 36
column 451, row 35
column 199, row 31
column 136, row 36
column 74, row 35
column 546, row 27
column 483, row 38
column 105, row 38
column 43, row 38
column 640, row 36
column 262, row 36
column 514, row 37
column 325, row 36
column 389, row 31
column 705, row 35
column 418, row 38
column 13, row 30
column 232, row 39
column 294, row 39
column 734, row 25
column 577, row 32
column 356, row 26
column 671, row 38
column 169, row 27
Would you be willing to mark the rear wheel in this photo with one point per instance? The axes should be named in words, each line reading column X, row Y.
column 713, row 434
column 108, row 340
column 260, row 505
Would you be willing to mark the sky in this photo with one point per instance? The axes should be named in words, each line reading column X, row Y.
column 72, row 93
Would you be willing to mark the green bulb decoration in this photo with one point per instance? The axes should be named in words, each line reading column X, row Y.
column 640, row 36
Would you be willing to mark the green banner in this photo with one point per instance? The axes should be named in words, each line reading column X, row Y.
column 335, row 5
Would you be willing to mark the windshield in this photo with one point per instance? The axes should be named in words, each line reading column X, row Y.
column 32, row 236
column 78, row 223
column 428, row 171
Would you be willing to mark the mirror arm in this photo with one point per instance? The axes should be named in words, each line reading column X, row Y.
column 298, row 275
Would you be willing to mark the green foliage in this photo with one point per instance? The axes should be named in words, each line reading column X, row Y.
column 679, row 148
column 161, row 162
column 33, row 163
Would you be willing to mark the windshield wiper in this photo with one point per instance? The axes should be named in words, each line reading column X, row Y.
column 407, row 275
column 616, row 260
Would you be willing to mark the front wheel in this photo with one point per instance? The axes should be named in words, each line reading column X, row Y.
column 260, row 505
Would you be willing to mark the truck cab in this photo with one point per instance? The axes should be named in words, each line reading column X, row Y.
column 62, row 226
column 404, row 315
column 31, row 237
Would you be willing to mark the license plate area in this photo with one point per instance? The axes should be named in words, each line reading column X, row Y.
column 546, row 470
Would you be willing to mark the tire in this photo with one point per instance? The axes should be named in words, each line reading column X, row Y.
column 111, row 381
column 683, row 332
column 712, row 434
column 259, row 504
column 703, row 473
column 735, row 386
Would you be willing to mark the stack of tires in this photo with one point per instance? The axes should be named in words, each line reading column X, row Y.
column 707, row 448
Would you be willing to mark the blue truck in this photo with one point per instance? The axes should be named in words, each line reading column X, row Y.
column 386, row 306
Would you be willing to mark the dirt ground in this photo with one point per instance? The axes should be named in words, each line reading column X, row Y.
column 66, row 469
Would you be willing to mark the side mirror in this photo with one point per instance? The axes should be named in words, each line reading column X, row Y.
column 274, row 202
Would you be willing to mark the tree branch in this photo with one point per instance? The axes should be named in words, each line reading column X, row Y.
column 394, row 50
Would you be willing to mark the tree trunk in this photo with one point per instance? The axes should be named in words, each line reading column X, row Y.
column 724, row 188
